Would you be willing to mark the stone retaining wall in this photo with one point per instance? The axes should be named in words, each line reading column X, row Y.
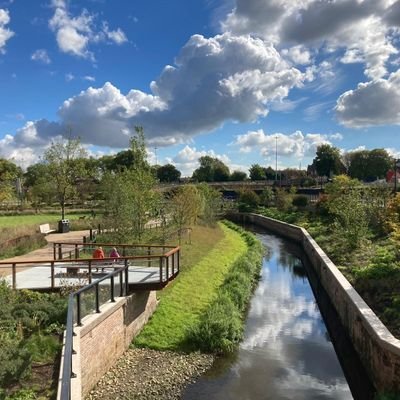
column 104, row 337
column 378, row 349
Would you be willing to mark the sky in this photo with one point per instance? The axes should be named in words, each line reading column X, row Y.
column 247, row 81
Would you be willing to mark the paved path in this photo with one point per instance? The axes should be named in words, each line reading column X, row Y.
column 46, row 253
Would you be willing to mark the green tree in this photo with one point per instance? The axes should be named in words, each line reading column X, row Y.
column 211, row 203
column 38, row 184
column 328, row 161
column 211, row 170
column 186, row 205
column 130, row 195
column 168, row 173
column 9, row 173
column 65, row 161
column 238, row 176
column 248, row 200
column 257, row 172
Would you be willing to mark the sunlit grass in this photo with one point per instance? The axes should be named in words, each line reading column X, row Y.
column 205, row 263
column 9, row 221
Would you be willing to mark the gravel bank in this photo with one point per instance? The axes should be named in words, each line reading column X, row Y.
column 149, row 374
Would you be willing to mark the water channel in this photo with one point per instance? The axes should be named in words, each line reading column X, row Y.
column 287, row 351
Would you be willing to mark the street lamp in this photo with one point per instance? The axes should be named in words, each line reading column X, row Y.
column 276, row 158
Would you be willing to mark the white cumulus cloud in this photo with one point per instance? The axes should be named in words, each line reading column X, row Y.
column 5, row 33
column 75, row 34
column 41, row 55
column 217, row 79
column 371, row 103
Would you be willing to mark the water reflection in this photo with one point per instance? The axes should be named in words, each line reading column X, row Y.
column 285, row 353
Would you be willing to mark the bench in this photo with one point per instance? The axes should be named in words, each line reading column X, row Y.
column 45, row 229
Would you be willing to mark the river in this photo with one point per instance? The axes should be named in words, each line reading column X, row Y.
column 287, row 352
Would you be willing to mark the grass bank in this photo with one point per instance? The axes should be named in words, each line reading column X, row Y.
column 183, row 303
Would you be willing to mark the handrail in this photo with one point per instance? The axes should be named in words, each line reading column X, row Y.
column 117, row 245
column 67, row 372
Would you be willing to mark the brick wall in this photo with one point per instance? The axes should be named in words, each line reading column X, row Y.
column 104, row 337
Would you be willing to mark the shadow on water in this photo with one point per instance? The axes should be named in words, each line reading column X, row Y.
column 288, row 351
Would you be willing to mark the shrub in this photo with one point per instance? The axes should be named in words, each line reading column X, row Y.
column 43, row 348
column 248, row 200
column 220, row 328
column 300, row 200
column 15, row 360
column 283, row 200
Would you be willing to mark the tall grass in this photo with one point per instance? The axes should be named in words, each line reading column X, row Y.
column 221, row 326
column 182, row 304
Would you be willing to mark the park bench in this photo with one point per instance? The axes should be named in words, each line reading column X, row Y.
column 45, row 229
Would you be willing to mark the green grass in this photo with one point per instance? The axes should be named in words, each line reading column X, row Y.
column 182, row 304
column 10, row 221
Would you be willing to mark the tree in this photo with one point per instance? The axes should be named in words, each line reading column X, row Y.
column 130, row 195
column 358, row 164
column 211, row 170
column 64, row 159
column 211, row 203
column 38, row 184
column 186, row 205
column 168, row 173
column 328, row 161
column 368, row 165
column 238, row 176
column 257, row 172
column 9, row 173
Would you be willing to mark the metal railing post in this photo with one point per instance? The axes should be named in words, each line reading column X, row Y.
column 167, row 261
column 97, row 298
column 78, row 310
column 76, row 252
column 54, row 252
column 59, row 251
column 112, row 289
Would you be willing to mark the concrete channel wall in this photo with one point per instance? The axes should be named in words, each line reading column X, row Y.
column 378, row 349
column 104, row 337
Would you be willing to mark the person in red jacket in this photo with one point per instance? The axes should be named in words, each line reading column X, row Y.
column 98, row 253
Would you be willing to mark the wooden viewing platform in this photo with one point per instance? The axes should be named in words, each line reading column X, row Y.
column 151, row 270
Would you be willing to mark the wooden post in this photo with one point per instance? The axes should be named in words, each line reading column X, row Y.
column 14, row 276
column 59, row 251
column 76, row 252
column 148, row 260
column 52, row 275
column 54, row 252
column 90, row 271
column 161, row 265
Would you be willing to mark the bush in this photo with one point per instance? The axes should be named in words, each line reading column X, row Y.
column 300, row 200
column 220, row 328
column 15, row 360
column 248, row 200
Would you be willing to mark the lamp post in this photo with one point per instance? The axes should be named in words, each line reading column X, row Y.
column 276, row 158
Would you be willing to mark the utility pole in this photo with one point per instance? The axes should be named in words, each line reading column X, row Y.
column 276, row 158
column 155, row 153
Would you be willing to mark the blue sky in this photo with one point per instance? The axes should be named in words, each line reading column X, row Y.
column 228, row 78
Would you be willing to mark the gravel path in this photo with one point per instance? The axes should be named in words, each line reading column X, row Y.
column 149, row 374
